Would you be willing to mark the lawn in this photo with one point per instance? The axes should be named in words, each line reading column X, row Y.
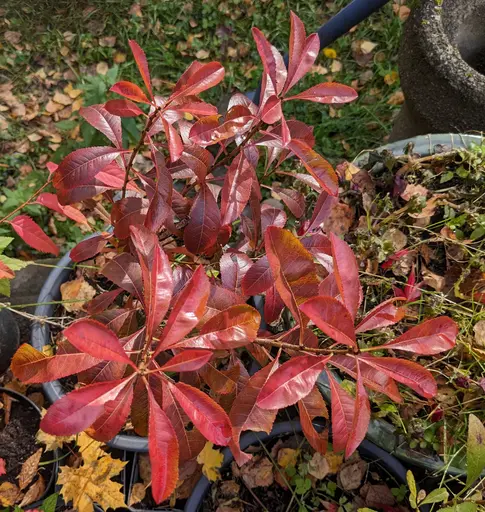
column 57, row 56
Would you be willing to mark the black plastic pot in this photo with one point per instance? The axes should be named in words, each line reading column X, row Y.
column 380, row 431
column 367, row 450
column 49, row 296
column 55, row 454
column 9, row 338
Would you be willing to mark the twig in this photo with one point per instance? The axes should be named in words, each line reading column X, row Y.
column 29, row 315
column 36, row 193
column 281, row 344
column 136, row 150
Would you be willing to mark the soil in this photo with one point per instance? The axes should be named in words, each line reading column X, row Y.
column 17, row 441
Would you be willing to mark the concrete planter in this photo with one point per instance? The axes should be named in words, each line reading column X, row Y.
column 442, row 69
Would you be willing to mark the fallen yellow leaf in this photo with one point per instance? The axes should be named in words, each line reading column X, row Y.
column 76, row 293
column 334, row 462
column 89, row 448
column 9, row 494
column 330, row 53
column 211, row 461
column 288, row 457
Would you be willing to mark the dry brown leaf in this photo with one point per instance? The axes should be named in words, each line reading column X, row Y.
column 366, row 47
column 318, row 466
column 340, row 220
column 135, row 10
column 202, row 54
column 433, row 280
column 10, row 494
column 319, row 70
column 12, row 37
column 29, row 469
column 137, row 494
column 77, row 104
column 336, row 66
column 351, row 474
column 79, row 291
column 258, row 472
column 102, row 68
column 34, row 492
column 107, row 42
column 52, row 107
column 145, row 469
column 64, row 51
column 71, row 92
column 479, row 330
column 34, row 137
column 61, row 98
column 119, row 57
column 287, row 457
column 396, row 98
column 397, row 238
column 412, row 190
column 401, row 11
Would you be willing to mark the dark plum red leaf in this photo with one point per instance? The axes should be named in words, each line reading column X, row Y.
column 125, row 271
column 88, row 248
column 234, row 266
column 311, row 407
column 272, row 60
column 258, row 278
column 382, row 315
column 236, row 190
column 107, row 123
column 205, row 221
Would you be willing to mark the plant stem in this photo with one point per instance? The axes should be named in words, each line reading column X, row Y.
column 36, row 193
column 237, row 150
column 281, row 344
column 153, row 116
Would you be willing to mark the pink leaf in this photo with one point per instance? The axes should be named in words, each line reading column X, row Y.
column 237, row 189
column 327, row 92
column 141, row 62
column 382, row 315
column 273, row 63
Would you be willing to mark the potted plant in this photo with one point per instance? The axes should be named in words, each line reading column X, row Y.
column 166, row 341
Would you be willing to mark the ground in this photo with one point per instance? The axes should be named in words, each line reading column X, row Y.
column 56, row 56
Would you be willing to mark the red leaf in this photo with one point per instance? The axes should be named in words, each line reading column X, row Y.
column 80, row 408
column 192, row 105
column 322, row 210
column 291, row 382
column 5, row 271
column 201, row 131
column 198, row 78
column 311, row 407
column 187, row 311
column 114, row 418
column 292, row 267
column 386, row 313
column 81, row 166
column 122, row 108
column 346, row 274
column 236, row 191
column 272, row 60
column 107, row 123
column 141, row 62
column 205, row 414
column 316, row 165
column 327, row 92
column 221, row 382
column 258, row 278
column 33, row 235
column 130, row 91
column 88, row 248
column 50, row 201
column 406, row 372
column 160, row 204
column 273, row 305
column 428, row 338
column 234, row 327
column 95, row 339
column 294, row 200
column 303, row 52
column 3, row 469
column 124, row 270
column 31, row 366
column 127, row 212
column 157, row 279
column 319, row 245
column 373, row 379
column 246, row 415
column 342, row 409
column 187, row 361
column 331, row 317
column 198, row 160
column 175, row 144
column 164, row 452
column 272, row 217
column 271, row 112
column 205, row 221
column 360, row 423
column 233, row 267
